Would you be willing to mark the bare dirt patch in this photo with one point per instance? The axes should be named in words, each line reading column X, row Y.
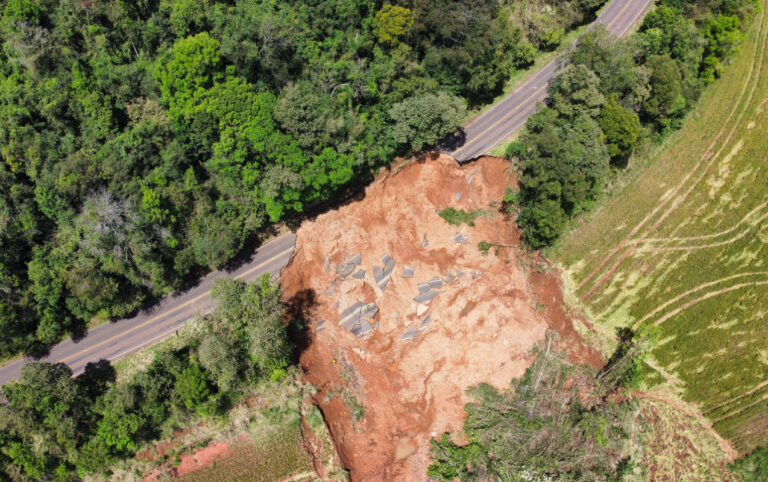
column 405, row 313
column 193, row 462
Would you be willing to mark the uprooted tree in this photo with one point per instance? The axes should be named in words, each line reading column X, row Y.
column 560, row 421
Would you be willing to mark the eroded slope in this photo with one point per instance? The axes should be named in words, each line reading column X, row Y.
column 405, row 312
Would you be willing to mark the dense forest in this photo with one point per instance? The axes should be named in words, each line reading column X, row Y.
column 58, row 427
column 610, row 97
column 144, row 142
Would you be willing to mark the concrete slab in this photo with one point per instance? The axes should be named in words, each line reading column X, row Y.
column 426, row 297
column 409, row 334
column 460, row 239
column 436, row 283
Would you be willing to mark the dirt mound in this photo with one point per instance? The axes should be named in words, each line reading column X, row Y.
column 405, row 312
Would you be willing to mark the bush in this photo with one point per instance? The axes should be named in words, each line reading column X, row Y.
column 457, row 217
column 542, row 223
column 753, row 467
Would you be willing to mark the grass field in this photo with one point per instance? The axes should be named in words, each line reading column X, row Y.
column 684, row 246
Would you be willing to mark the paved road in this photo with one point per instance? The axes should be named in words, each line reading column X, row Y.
column 115, row 340
column 510, row 114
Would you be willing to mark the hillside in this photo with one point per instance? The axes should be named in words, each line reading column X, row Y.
column 683, row 247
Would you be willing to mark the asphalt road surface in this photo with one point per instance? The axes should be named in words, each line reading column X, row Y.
column 117, row 339
column 510, row 114
column 114, row 340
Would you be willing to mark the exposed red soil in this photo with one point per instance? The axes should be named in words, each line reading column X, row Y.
column 483, row 324
column 192, row 462
column 159, row 450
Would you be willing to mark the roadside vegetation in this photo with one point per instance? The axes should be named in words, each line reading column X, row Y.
column 613, row 95
column 57, row 426
column 146, row 142
column 683, row 247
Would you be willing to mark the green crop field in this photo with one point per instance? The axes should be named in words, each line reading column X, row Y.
column 684, row 246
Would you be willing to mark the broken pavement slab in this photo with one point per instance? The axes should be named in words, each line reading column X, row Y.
column 425, row 322
column 382, row 275
column 347, row 267
column 409, row 334
column 352, row 316
column 426, row 297
column 460, row 239
column 361, row 328
column 436, row 283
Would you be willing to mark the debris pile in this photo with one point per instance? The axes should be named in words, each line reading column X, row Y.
column 436, row 317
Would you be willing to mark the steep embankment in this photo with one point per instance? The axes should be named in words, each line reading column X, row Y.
column 405, row 312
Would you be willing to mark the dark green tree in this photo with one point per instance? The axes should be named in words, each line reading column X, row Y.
column 666, row 99
column 192, row 386
column 621, row 126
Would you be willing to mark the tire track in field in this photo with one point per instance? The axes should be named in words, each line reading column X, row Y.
column 695, row 290
column 736, row 399
column 707, row 296
column 669, row 195
column 733, row 228
column 679, row 200
column 710, row 245
column 740, row 410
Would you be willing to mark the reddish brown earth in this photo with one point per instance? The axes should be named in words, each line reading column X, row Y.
column 483, row 324
column 192, row 462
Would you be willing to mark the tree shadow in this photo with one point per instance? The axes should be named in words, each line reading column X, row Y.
column 298, row 310
column 96, row 378
column 453, row 141
column 250, row 247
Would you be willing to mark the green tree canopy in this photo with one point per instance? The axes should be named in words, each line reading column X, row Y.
column 391, row 23
column 621, row 126
column 575, row 91
column 423, row 120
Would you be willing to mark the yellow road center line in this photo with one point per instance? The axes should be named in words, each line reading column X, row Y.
column 507, row 116
column 634, row 19
column 513, row 111
column 173, row 310
column 609, row 24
